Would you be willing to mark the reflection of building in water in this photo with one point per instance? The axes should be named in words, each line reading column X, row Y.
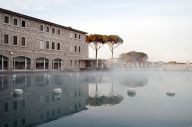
column 39, row 104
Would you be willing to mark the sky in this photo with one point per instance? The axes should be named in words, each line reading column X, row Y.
column 160, row 28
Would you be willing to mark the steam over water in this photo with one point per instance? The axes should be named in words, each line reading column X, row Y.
column 93, row 99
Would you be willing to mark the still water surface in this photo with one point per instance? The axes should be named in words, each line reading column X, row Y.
column 90, row 99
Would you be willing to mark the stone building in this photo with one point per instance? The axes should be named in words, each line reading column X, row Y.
column 31, row 44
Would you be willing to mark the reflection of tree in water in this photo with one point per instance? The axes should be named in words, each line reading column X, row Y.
column 104, row 100
column 99, row 99
column 133, row 82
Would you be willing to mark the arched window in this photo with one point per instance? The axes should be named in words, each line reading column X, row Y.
column 56, row 64
column 42, row 64
column 3, row 63
column 21, row 63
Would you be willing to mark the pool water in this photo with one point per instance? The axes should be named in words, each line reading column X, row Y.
column 96, row 99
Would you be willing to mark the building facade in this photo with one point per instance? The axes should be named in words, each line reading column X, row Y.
column 31, row 44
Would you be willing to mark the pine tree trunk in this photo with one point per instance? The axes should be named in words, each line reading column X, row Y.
column 96, row 51
column 112, row 57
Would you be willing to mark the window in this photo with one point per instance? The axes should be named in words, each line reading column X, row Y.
column 47, row 44
column 23, row 23
column 79, row 36
column 6, row 39
column 59, row 31
column 75, row 62
column 41, row 27
column 71, row 62
column 21, row 63
column 14, row 40
column 79, row 49
column 41, row 44
column 42, row 63
column 3, row 63
column 15, row 22
column 56, row 64
column 53, row 30
column 23, row 41
column 47, row 29
column 58, row 46
column 75, row 35
column 6, row 19
column 71, row 49
column 53, row 45
column 71, row 35
column 75, row 48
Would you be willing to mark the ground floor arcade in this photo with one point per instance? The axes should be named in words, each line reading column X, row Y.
column 23, row 63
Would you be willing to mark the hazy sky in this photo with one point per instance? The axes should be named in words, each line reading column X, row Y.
column 160, row 28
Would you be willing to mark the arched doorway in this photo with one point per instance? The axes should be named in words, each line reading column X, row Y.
column 57, row 64
column 3, row 63
column 21, row 63
column 42, row 64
